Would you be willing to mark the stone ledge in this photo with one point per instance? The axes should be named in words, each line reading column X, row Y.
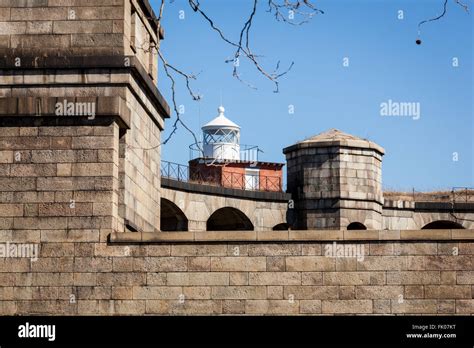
column 290, row 236
column 398, row 204
column 224, row 191
column 427, row 206
column 114, row 63
column 23, row 107
column 344, row 143
column 151, row 16
column 447, row 206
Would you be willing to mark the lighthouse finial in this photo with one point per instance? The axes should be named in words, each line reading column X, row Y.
column 221, row 110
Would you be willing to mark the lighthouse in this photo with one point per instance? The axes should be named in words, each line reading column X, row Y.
column 221, row 138
column 221, row 160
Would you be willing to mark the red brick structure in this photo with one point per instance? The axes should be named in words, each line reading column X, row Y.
column 259, row 176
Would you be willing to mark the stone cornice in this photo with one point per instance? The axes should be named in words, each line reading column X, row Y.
column 30, row 109
column 353, row 144
column 292, row 236
column 224, row 191
column 114, row 63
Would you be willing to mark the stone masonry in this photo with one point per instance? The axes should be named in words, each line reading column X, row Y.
column 263, row 213
column 85, row 189
column 70, row 170
column 215, row 273
column 335, row 179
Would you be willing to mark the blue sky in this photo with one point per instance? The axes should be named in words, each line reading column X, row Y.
column 384, row 63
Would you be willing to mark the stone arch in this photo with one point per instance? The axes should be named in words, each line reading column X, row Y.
column 229, row 219
column 281, row 227
column 172, row 217
column 442, row 225
column 356, row 226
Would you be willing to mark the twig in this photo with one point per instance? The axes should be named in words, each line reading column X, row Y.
column 445, row 4
column 294, row 7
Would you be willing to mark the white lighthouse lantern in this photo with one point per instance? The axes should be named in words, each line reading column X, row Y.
column 221, row 138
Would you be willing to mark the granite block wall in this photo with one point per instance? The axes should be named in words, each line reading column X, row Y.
column 335, row 186
column 80, row 274
column 80, row 28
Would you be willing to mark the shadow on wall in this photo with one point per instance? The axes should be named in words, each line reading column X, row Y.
column 172, row 217
column 232, row 219
column 442, row 225
column 356, row 226
column 229, row 219
column 224, row 219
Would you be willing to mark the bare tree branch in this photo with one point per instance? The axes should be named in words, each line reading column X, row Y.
column 160, row 14
column 283, row 10
column 293, row 9
column 242, row 45
column 242, row 49
column 445, row 4
column 435, row 18
column 464, row 6
column 167, row 67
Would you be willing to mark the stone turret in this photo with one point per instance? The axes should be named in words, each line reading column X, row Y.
column 80, row 115
column 336, row 182
column 38, row 28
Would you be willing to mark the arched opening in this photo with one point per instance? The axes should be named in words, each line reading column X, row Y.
column 172, row 218
column 229, row 219
column 281, row 227
column 356, row 226
column 442, row 225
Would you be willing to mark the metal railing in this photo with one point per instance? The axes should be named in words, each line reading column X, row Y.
column 223, row 178
column 248, row 153
column 462, row 194
column 174, row 171
column 456, row 195
column 251, row 182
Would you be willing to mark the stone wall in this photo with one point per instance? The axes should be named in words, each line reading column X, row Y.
column 334, row 186
column 139, row 119
column 57, row 173
column 73, row 186
column 63, row 26
column 424, row 272
column 410, row 215
column 263, row 211
column 79, row 28
column 140, row 159
column 82, row 52
column 58, row 177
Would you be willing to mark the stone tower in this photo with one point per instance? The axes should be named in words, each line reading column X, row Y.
column 80, row 116
column 335, row 181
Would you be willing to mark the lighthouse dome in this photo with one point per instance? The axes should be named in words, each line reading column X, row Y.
column 221, row 138
column 220, row 121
